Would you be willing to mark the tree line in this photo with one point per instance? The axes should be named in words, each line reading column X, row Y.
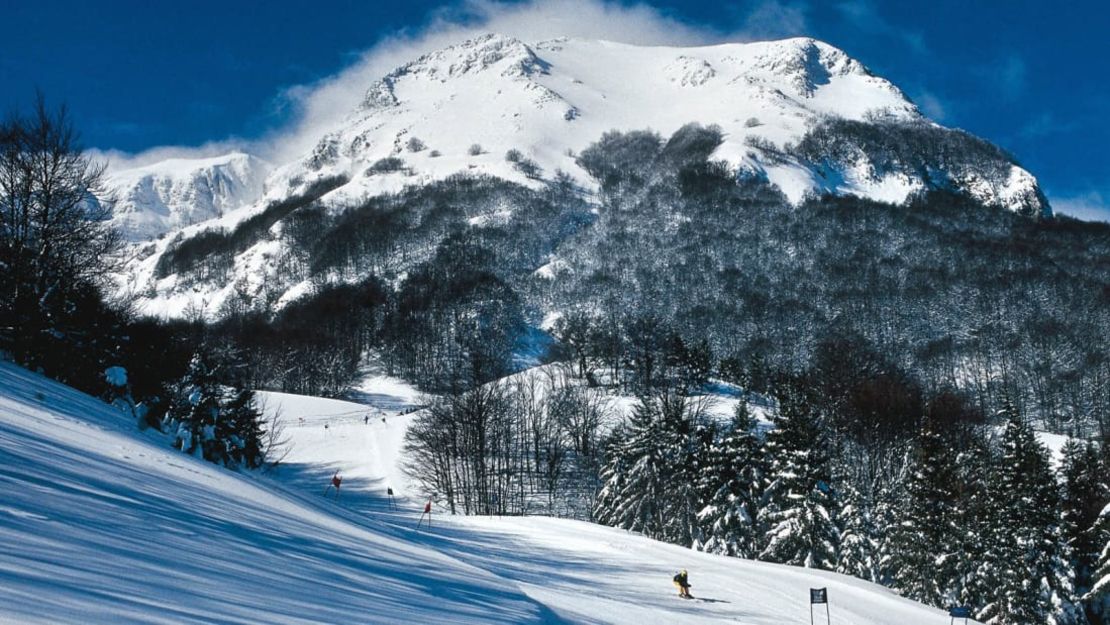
column 57, row 253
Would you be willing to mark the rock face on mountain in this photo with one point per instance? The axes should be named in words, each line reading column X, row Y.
column 797, row 113
column 153, row 200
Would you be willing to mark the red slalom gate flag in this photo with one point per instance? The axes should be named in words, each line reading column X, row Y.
column 336, row 480
column 428, row 508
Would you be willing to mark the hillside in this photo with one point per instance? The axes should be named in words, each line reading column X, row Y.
column 103, row 524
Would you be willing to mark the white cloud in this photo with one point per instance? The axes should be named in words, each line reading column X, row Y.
column 864, row 15
column 1008, row 75
column 931, row 105
column 315, row 108
column 1089, row 206
column 776, row 19
column 119, row 161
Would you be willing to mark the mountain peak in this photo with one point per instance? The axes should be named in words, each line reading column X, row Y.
column 151, row 200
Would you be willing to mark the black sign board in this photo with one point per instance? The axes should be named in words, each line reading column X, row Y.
column 960, row 612
column 818, row 595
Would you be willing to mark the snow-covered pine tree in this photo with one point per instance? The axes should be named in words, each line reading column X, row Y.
column 195, row 406
column 216, row 422
column 1097, row 599
column 799, row 502
column 733, row 476
column 1026, row 565
column 859, row 544
column 973, row 517
column 921, row 540
column 1083, row 496
column 240, row 429
column 650, row 475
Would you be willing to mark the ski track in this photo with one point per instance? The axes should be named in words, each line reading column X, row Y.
column 100, row 523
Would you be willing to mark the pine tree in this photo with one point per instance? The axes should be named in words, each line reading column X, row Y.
column 733, row 478
column 195, row 407
column 1083, row 495
column 859, row 543
column 1026, row 562
column 211, row 420
column 973, row 518
column 922, row 538
column 799, row 506
column 1098, row 598
column 241, row 429
column 651, row 473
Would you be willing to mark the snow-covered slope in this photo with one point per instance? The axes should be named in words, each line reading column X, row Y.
column 152, row 200
column 100, row 524
column 103, row 524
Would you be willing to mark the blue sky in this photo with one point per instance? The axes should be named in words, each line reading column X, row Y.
column 1030, row 76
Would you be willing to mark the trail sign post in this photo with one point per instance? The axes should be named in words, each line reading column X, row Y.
column 959, row 612
column 817, row 596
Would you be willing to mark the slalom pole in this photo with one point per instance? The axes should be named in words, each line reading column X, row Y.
column 335, row 481
column 427, row 512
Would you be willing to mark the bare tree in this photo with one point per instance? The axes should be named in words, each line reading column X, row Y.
column 54, row 237
column 52, row 217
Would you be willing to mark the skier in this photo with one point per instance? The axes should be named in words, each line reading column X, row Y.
column 682, row 581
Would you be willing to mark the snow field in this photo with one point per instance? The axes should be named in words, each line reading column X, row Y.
column 101, row 523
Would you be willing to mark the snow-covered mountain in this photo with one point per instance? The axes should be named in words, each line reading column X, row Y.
column 551, row 99
column 152, row 200
column 464, row 108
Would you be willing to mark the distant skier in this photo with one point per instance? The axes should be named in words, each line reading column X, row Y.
column 366, row 420
column 682, row 582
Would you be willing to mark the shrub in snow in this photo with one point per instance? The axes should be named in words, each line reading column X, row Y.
column 474, row 149
column 415, row 145
column 386, row 165
column 528, row 167
column 118, row 392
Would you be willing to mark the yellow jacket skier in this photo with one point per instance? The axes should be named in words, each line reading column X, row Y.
column 682, row 581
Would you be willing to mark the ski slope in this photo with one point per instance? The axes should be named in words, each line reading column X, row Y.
column 101, row 523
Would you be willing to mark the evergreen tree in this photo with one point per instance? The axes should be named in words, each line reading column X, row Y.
column 195, row 407
column 733, row 478
column 1026, row 562
column 799, row 506
column 923, row 536
column 650, row 475
column 1082, row 497
column 241, row 429
column 859, row 544
column 211, row 420
column 1097, row 599
column 973, row 518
